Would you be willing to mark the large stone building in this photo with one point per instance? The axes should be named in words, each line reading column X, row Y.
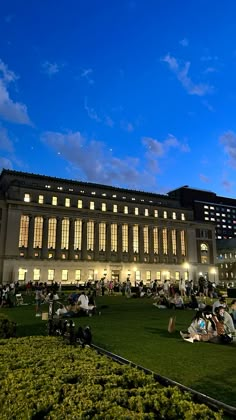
column 55, row 229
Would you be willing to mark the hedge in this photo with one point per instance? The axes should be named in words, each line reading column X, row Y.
column 42, row 378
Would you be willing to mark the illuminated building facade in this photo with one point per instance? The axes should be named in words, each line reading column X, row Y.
column 68, row 231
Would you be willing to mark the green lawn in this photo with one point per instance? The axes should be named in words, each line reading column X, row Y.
column 137, row 331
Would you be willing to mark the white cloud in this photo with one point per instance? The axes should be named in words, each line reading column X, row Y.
column 5, row 163
column 184, row 42
column 92, row 114
column 227, row 185
column 15, row 112
column 5, row 142
column 228, row 140
column 50, row 68
column 160, row 149
column 87, row 73
column 127, row 126
column 181, row 70
column 204, row 178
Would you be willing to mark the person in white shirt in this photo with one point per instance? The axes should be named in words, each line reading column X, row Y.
column 83, row 303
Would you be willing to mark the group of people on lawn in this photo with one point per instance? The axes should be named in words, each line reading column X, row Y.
column 215, row 324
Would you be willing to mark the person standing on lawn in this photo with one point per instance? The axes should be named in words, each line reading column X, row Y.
column 39, row 298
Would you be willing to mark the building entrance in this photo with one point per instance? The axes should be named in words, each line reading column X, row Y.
column 115, row 275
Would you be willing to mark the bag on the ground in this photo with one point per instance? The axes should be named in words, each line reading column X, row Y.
column 171, row 324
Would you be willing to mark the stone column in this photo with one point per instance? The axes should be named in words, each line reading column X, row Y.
column 45, row 238
column 130, row 243
column 108, row 241
column 71, row 252
column 84, row 240
column 58, row 237
column 31, row 237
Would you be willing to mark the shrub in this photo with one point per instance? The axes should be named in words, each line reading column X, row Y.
column 7, row 327
column 41, row 378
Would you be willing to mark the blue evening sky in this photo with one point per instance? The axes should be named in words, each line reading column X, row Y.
column 138, row 94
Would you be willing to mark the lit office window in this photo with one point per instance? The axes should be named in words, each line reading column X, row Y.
column 158, row 275
column 24, row 231
column 115, row 208
column 27, row 198
column 126, row 209
column 51, row 274
column 38, row 232
column 204, row 253
column 125, row 238
column 174, row 215
column 41, row 199
column 137, row 275
column 22, row 274
column 155, row 213
column 177, row 275
column 64, row 275
column 90, row 235
column 182, row 242
column 136, row 211
column 92, row 205
column 173, row 237
column 36, row 274
column 164, row 239
column 102, row 236
column 67, row 202
column 146, row 212
column 165, row 214
column 54, row 201
column 155, row 240
column 148, row 275
column 114, row 237
column 78, row 234
column 80, row 204
column 145, row 240
column 52, row 229
column 77, row 275
column 135, row 239
column 104, row 207
column 65, row 233
column 182, row 216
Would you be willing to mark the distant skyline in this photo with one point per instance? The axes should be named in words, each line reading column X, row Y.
column 130, row 93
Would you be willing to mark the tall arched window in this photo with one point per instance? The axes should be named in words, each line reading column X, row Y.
column 204, row 253
column 38, row 232
column 24, row 231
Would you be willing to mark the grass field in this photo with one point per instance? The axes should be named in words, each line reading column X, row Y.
column 137, row 331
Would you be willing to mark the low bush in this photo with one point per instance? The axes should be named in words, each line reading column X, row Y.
column 7, row 327
column 41, row 378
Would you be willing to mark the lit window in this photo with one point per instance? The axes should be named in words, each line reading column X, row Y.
column 36, row 274
column 133, row 199
column 92, row 206
column 90, row 235
column 52, row 226
column 135, row 239
column 82, row 191
column 102, row 236
column 60, row 188
column 206, row 212
column 212, row 208
column 165, row 214
column 78, row 234
column 146, row 213
column 164, row 239
column 77, row 275
column 93, row 193
column 22, row 274
column 124, row 198
column 67, row 202
column 125, row 238
column 41, row 199
column 173, row 215
column 54, row 201
column 47, row 186
column 71, row 189
column 64, row 275
column 206, row 207
column 80, row 204
column 50, row 255
column 24, row 231
column 104, row 207
column 126, row 210
column 148, row 275
column 155, row 213
column 114, row 196
column 65, row 233
column 51, row 274
column 27, row 198
column 63, row 256
column 145, row 240
column 104, row 194
column 114, row 237
column 206, row 218
column 38, row 232
column 213, row 219
column 136, row 211
column 182, row 216
column 114, row 208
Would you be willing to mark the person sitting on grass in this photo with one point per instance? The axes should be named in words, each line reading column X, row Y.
column 176, row 302
column 202, row 328
column 83, row 303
